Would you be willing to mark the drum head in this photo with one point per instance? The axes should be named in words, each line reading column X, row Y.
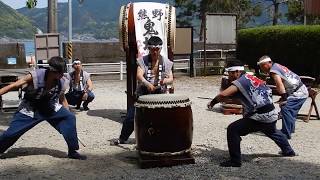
column 163, row 101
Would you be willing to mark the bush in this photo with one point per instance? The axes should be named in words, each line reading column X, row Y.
column 297, row 47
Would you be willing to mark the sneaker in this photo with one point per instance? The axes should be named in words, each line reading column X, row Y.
column 76, row 155
column 230, row 163
column 288, row 154
column 77, row 107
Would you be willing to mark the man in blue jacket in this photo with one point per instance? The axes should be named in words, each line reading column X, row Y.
column 259, row 113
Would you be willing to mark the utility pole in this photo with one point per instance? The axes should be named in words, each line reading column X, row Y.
column 69, row 44
column 52, row 16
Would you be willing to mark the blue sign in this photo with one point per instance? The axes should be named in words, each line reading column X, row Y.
column 12, row 60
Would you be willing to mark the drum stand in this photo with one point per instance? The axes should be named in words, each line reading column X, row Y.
column 151, row 161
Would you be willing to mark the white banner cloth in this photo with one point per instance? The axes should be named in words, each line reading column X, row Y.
column 150, row 20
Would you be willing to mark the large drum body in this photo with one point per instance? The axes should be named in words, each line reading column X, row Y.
column 163, row 125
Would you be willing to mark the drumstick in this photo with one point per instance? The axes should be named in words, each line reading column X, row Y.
column 81, row 142
column 204, row 97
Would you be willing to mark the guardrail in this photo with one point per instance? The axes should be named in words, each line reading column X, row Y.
column 117, row 68
column 180, row 64
column 99, row 68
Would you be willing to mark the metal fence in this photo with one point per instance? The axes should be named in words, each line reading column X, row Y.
column 99, row 68
column 215, row 58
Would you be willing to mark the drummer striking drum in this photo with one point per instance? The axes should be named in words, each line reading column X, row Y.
column 291, row 89
column 259, row 113
column 153, row 74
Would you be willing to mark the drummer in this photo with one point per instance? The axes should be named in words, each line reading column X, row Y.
column 154, row 73
column 259, row 113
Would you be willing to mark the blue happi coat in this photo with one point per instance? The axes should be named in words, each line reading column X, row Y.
column 291, row 81
column 255, row 94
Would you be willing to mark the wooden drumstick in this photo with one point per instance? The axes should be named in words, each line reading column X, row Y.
column 81, row 142
column 204, row 97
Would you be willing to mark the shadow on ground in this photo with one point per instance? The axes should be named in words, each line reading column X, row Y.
column 123, row 165
column 116, row 115
column 30, row 151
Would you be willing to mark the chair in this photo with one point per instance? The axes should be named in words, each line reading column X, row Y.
column 309, row 82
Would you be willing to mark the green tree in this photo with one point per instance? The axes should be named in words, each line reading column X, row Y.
column 31, row 3
column 296, row 13
column 191, row 10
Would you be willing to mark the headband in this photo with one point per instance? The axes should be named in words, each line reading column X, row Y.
column 76, row 62
column 235, row 68
column 267, row 59
column 154, row 46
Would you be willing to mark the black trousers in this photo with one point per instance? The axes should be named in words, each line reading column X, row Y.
column 128, row 124
column 245, row 126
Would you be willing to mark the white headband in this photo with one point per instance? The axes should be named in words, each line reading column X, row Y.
column 264, row 61
column 76, row 62
column 235, row 68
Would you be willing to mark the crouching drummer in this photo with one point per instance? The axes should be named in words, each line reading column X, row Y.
column 259, row 113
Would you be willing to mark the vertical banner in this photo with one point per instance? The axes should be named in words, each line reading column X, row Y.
column 150, row 20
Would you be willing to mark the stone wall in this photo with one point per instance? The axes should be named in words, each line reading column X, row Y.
column 97, row 52
column 102, row 52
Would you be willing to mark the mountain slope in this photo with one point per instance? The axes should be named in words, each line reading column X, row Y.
column 98, row 17
column 13, row 24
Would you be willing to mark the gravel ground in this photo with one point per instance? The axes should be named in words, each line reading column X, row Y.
column 41, row 152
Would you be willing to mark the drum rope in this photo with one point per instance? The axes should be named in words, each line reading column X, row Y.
column 165, row 153
column 169, row 27
column 124, row 34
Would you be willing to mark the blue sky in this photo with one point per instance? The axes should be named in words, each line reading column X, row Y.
column 16, row 4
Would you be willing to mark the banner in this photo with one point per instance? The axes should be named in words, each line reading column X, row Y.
column 150, row 20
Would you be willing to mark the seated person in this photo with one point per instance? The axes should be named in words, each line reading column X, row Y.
column 80, row 86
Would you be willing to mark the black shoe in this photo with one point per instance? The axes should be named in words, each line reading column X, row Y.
column 85, row 108
column 230, row 163
column 288, row 154
column 77, row 107
column 76, row 155
column 117, row 142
